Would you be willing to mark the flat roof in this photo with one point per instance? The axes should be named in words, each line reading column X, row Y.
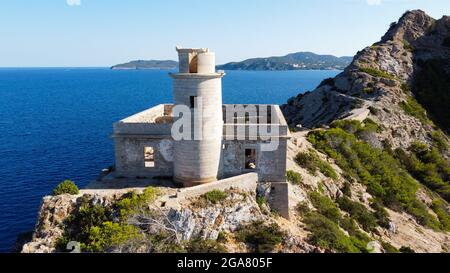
column 243, row 114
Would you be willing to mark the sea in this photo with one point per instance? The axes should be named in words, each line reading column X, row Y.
column 56, row 124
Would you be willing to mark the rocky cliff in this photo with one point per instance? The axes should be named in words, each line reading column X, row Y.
column 383, row 80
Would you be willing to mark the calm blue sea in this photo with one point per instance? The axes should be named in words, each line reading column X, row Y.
column 55, row 124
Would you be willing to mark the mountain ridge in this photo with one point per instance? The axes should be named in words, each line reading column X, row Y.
column 293, row 61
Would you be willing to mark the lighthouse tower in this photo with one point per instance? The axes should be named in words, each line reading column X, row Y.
column 198, row 86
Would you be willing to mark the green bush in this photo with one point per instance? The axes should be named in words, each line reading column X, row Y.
column 132, row 202
column 381, row 214
column 222, row 237
column 81, row 222
column 428, row 166
column 347, row 189
column 358, row 212
column 405, row 249
column 89, row 216
column 407, row 46
column 102, row 228
column 325, row 206
column 327, row 235
column 439, row 141
column 377, row 73
column 440, row 208
column 303, row 208
column 205, row 246
column 66, row 187
column 357, row 128
column 215, row 196
column 261, row 200
column 377, row 169
column 305, row 160
column 294, row 177
column 163, row 242
column 388, row 248
column 110, row 235
column 413, row 108
column 361, row 241
column 349, row 225
column 313, row 163
column 263, row 238
column 406, row 88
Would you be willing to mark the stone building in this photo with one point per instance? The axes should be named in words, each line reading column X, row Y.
column 198, row 140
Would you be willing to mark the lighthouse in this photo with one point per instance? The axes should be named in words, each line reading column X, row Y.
column 191, row 143
column 198, row 86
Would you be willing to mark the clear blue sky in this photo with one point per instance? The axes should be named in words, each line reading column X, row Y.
column 106, row 32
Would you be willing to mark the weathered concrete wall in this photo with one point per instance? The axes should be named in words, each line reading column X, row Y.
column 271, row 165
column 279, row 198
column 130, row 160
column 245, row 182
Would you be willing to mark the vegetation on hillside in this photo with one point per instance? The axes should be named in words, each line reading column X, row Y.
column 386, row 180
column 261, row 237
column 327, row 225
column 210, row 198
column 215, row 196
column 413, row 108
column 313, row 163
column 124, row 226
column 294, row 177
column 377, row 73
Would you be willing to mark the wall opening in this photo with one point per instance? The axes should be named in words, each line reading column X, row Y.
column 250, row 159
column 149, row 157
column 192, row 101
column 193, row 64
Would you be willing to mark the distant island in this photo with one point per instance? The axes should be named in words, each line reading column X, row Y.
column 294, row 61
column 151, row 64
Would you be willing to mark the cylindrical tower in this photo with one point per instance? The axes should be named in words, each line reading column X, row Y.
column 199, row 87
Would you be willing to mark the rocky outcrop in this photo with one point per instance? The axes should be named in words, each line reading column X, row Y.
column 191, row 219
column 49, row 227
column 378, row 80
